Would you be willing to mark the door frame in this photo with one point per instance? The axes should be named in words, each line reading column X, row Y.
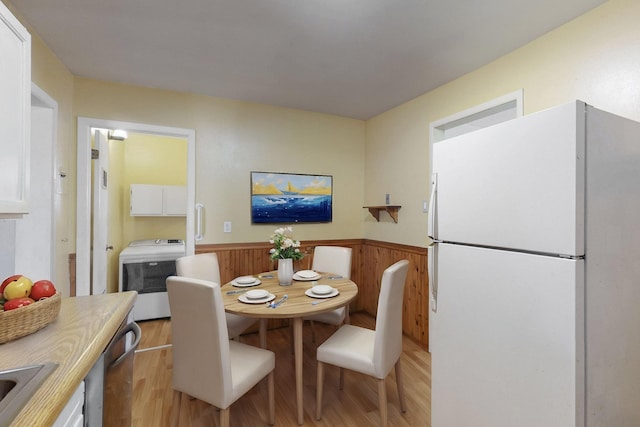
column 84, row 182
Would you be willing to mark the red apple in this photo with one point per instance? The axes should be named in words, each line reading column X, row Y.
column 42, row 289
column 17, row 303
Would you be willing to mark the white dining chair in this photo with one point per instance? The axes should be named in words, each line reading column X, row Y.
column 206, row 364
column 370, row 352
column 336, row 260
column 206, row 267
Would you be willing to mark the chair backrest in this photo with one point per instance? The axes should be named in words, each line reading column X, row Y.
column 201, row 363
column 388, row 336
column 332, row 259
column 200, row 266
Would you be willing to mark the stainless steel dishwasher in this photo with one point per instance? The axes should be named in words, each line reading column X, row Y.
column 109, row 384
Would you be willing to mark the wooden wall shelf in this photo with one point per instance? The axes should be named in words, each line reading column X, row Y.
column 392, row 210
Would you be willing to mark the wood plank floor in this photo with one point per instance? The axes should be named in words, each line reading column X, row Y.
column 356, row 405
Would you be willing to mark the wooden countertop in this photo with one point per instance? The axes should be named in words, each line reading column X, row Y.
column 74, row 340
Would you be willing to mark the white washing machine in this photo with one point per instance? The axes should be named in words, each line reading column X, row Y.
column 144, row 267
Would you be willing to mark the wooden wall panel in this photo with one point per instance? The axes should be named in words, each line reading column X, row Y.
column 376, row 257
column 370, row 259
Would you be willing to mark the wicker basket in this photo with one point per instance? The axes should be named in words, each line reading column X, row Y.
column 24, row 321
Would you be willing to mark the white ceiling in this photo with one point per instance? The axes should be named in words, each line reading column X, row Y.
column 354, row 58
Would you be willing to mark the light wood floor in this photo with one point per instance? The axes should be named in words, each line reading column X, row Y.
column 356, row 405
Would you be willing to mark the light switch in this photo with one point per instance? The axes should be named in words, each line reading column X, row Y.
column 227, row 226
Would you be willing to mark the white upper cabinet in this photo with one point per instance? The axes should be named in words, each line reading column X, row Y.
column 15, row 110
column 158, row 200
column 175, row 200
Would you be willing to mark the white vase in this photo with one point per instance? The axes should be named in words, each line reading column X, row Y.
column 285, row 271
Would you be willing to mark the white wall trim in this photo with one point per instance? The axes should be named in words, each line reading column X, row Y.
column 83, row 217
column 438, row 128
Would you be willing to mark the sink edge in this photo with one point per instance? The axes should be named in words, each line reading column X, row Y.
column 28, row 379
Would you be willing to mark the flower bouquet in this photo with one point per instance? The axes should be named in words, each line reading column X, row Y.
column 285, row 250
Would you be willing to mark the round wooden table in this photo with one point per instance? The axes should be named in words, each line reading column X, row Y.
column 297, row 306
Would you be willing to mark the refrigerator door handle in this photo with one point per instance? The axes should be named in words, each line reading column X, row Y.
column 432, row 256
column 431, row 225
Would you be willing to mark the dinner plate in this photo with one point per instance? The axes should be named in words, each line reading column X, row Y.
column 297, row 276
column 243, row 298
column 257, row 293
column 245, row 280
column 307, row 273
column 321, row 289
column 311, row 294
column 255, row 282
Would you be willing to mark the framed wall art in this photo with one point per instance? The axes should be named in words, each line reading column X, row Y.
column 291, row 198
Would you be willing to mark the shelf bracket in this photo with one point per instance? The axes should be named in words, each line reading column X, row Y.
column 392, row 210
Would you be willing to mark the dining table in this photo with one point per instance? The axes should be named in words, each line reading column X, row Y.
column 300, row 302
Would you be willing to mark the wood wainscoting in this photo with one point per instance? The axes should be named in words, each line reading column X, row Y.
column 369, row 260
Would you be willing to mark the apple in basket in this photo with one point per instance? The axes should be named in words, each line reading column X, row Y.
column 42, row 289
column 18, row 288
column 17, row 303
column 9, row 280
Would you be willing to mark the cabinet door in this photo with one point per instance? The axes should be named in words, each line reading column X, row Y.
column 175, row 200
column 71, row 415
column 146, row 200
column 15, row 110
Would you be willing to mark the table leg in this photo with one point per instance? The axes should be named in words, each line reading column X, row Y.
column 262, row 333
column 297, row 342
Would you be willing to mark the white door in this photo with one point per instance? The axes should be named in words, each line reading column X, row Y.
column 506, row 340
column 518, row 184
column 100, row 214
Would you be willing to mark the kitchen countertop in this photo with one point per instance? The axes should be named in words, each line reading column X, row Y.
column 75, row 341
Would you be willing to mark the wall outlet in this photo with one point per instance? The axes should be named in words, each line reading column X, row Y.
column 227, row 226
column 387, row 199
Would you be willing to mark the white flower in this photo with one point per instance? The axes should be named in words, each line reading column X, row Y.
column 284, row 245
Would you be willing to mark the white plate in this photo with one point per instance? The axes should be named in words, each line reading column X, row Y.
column 245, row 280
column 307, row 274
column 321, row 289
column 310, row 293
column 243, row 298
column 256, row 282
column 257, row 293
column 297, row 276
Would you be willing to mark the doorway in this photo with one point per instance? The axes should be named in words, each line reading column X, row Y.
column 35, row 232
column 84, row 195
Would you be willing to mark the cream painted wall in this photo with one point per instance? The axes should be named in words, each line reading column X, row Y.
column 54, row 78
column 234, row 138
column 595, row 58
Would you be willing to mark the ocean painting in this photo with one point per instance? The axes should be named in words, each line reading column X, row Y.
column 290, row 198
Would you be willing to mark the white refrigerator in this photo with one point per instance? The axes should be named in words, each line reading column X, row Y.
column 534, row 273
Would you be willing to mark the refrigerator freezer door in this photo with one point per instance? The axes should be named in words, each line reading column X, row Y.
column 506, row 341
column 519, row 184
